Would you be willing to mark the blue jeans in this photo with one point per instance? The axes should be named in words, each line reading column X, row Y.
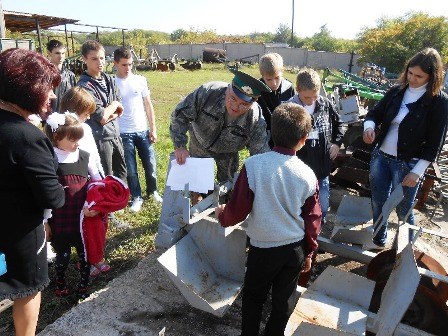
column 141, row 142
column 324, row 196
column 385, row 174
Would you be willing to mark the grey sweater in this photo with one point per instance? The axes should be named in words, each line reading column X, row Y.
column 281, row 188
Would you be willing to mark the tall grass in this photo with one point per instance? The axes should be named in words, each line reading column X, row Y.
column 126, row 247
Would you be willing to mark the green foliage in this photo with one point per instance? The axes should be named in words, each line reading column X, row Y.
column 394, row 40
column 322, row 41
column 348, row 46
column 282, row 34
column 261, row 37
column 11, row 35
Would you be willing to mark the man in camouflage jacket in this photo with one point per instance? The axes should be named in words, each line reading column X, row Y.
column 221, row 120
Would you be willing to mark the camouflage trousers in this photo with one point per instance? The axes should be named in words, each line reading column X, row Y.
column 226, row 163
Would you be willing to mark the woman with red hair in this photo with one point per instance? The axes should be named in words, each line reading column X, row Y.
column 28, row 182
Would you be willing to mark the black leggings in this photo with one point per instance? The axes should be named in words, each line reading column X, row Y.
column 62, row 245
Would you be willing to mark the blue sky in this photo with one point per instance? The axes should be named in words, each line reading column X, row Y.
column 343, row 18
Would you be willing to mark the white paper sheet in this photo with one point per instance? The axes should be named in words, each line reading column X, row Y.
column 197, row 172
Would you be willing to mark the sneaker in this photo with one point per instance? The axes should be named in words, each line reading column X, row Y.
column 99, row 268
column 156, row 197
column 136, row 204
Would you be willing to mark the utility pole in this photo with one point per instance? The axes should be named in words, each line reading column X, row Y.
column 2, row 22
column 292, row 26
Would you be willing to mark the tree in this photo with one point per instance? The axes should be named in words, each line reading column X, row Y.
column 178, row 35
column 322, row 41
column 395, row 40
column 282, row 34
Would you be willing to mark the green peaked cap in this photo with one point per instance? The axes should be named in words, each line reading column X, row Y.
column 247, row 87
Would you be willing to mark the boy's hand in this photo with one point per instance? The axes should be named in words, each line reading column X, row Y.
column 334, row 151
column 306, row 265
column 47, row 231
column 120, row 109
column 90, row 213
column 219, row 209
column 153, row 136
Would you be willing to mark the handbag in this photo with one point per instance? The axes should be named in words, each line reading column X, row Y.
column 2, row 264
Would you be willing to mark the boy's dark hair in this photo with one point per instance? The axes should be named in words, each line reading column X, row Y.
column 289, row 124
column 90, row 45
column 72, row 129
column 78, row 100
column 54, row 44
column 122, row 52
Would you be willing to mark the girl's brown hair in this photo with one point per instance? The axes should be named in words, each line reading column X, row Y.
column 72, row 129
column 78, row 100
column 430, row 62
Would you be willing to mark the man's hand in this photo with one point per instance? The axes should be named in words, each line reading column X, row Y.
column 369, row 136
column 306, row 265
column 219, row 209
column 181, row 155
column 334, row 151
column 410, row 180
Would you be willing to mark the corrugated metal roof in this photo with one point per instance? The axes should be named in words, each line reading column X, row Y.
column 26, row 22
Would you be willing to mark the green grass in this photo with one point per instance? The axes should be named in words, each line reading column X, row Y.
column 125, row 248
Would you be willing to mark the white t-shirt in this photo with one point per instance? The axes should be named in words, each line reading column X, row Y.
column 132, row 90
column 87, row 143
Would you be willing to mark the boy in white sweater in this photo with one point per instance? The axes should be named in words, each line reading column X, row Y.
column 280, row 194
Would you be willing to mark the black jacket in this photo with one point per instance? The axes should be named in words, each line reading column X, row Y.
column 422, row 132
column 68, row 80
column 326, row 121
column 102, row 100
column 268, row 101
column 28, row 182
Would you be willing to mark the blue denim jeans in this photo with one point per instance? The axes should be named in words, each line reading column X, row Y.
column 385, row 174
column 139, row 141
column 324, row 196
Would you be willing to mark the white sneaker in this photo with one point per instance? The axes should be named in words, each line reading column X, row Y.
column 156, row 197
column 136, row 204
